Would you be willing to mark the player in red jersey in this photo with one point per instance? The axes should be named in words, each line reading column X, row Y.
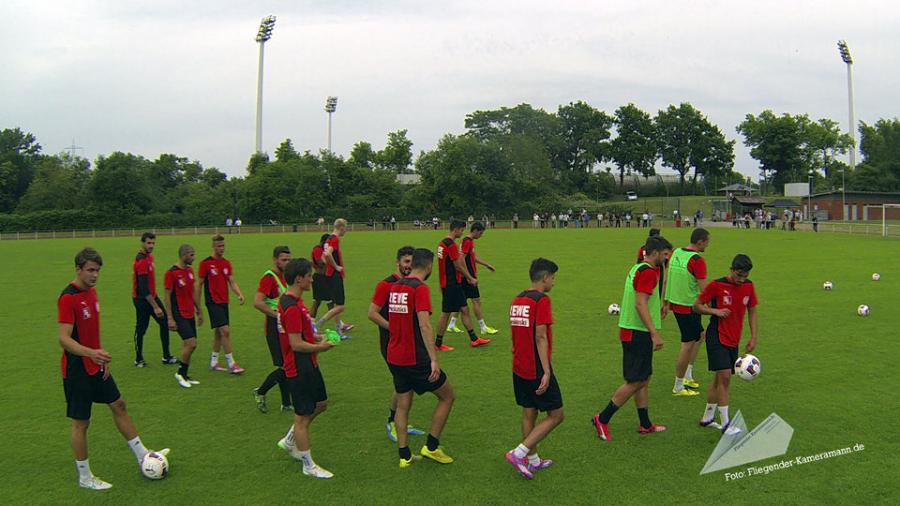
column 412, row 358
column 726, row 300
column 147, row 303
column 216, row 277
column 534, row 381
column 85, row 367
column 378, row 314
column 271, row 287
column 334, row 275
column 300, row 347
column 452, row 270
column 467, row 249
column 181, row 306
column 320, row 282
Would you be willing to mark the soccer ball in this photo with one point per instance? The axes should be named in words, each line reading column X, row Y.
column 828, row 285
column 155, row 466
column 862, row 310
column 613, row 309
column 876, row 277
column 747, row 367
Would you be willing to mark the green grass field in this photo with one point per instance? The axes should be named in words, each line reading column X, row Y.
column 826, row 371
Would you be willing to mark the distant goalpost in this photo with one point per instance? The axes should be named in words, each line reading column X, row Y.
column 885, row 228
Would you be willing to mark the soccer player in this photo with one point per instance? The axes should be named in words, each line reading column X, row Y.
column 272, row 286
column 686, row 279
column 534, row 384
column 147, row 303
column 640, row 254
column 452, row 270
column 378, row 314
column 181, row 306
column 216, row 277
column 85, row 367
column 412, row 358
column 299, row 347
column 639, row 325
column 320, row 282
column 334, row 274
column 471, row 291
column 726, row 300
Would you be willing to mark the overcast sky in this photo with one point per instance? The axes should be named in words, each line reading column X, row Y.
column 164, row 76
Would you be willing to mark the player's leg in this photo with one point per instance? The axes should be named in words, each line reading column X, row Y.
column 142, row 311
column 451, row 326
column 681, row 365
column 401, row 421
column 479, row 315
column 723, row 378
column 314, row 310
column 225, row 335
column 641, row 402
column 620, row 397
column 442, row 327
column 163, row 323
column 188, row 345
column 474, row 340
column 540, row 430
column 689, row 371
column 86, row 478
column 439, row 418
column 126, row 427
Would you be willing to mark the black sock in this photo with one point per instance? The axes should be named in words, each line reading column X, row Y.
column 285, row 393
column 183, row 369
column 273, row 377
column 644, row 417
column 405, row 454
column 432, row 443
column 393, row 414
column 608, row 412
column 472, row 336
column 439, row 340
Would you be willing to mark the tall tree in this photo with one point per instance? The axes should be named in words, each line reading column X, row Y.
column 585, row 136
column 397, row 153
column 634, row 149
column 19, row 155
column 687, row 140
column 285, row 152
column 59, row 183
column 362, row 155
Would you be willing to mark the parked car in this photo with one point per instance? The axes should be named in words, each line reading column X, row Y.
column 631, row 196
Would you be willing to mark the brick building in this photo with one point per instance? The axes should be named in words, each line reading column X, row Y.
column 861, row 206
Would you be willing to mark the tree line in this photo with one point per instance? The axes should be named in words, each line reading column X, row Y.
column 512, row 159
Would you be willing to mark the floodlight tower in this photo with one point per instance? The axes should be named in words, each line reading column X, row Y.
column 264, row 34
column 330, row 107
column 845, row 56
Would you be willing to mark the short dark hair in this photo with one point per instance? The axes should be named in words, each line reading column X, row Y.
column 218, row 238
column 405, row 251
column 86, row 255
column 422, row 258
column 742, row 263
column 147, row 235
column 324, row 238
column 699, row 234
column 477, row 226
column 540, row 267
column 456, row 224
column 184, row 249
column 280, row 250
column 297, row 267
column 656, row 243
column 653, row 232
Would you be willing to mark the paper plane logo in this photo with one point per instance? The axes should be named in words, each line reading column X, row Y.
column 769, row 439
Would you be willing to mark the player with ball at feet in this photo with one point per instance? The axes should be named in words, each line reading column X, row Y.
column 85, row 367
column 726, row 300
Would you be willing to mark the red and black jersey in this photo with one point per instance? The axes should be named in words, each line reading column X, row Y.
column 697, row 267
column 335, row 243
column 316, row 258
column 379, row 298
column 293, row 318
column 724, row 293
column 143, row 278
column 181, row 282
column 80, row 309
column 268, row 286
column 447, row 253
column 467, row 248
column 640, row 255
column 214, row 274
column 528, row 310
column 406, row 299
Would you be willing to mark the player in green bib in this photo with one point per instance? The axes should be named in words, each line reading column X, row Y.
column 685, row 280
column 639, row 323
column 272, row 286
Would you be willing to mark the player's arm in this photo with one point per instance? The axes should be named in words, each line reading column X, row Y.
column 201, row 278
column 376, row 318
column 301, row 346
column 543, row 347
column 98, row 356
column 328, row 255
column 754, row 329
column 197, row 309
column 482, row 262
column 143, row 290
column 704, row 308
column 428, row 338
column 235, row 289
column 259, row 302
column 641, row 304
column 460, row 265
column 170, row 318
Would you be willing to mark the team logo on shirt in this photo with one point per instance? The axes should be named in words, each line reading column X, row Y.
column 440, row 252
column 190, row 276
column 278, row 324
column 519, row 316
column 181, row 282
column 85, row 311
column 399, row 303
column 214, row 272
column 746, row 300
column 225, row 270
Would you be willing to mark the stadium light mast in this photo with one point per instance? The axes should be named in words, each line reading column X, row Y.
column 264, row 34
column 845, row 56
column 330, row 107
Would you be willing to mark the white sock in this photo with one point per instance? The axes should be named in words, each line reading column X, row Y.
column 213, row 358
column 534, row 460
column 689, row 374
column 137, row 447
column 679, row 384
column 230, row 358
column 521, row 451
column 84, row 469
column 340, row 322
column 306, row 458
column 483, row 325
column 452, row 323
column 710, row 412
column 289, row 437
column 723, row 415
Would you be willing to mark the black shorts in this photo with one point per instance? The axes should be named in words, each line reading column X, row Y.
column 320, row 287
column 336, row 289
column 471, row 291
column 415, row 377
column 690, row 325
column 273, row 342
column 82, row 391
column 186, row 327
column 307, row 389
column 637, row 357
column 453, row 298
column 525, row 396
column 719, row 356
column 218, row 315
